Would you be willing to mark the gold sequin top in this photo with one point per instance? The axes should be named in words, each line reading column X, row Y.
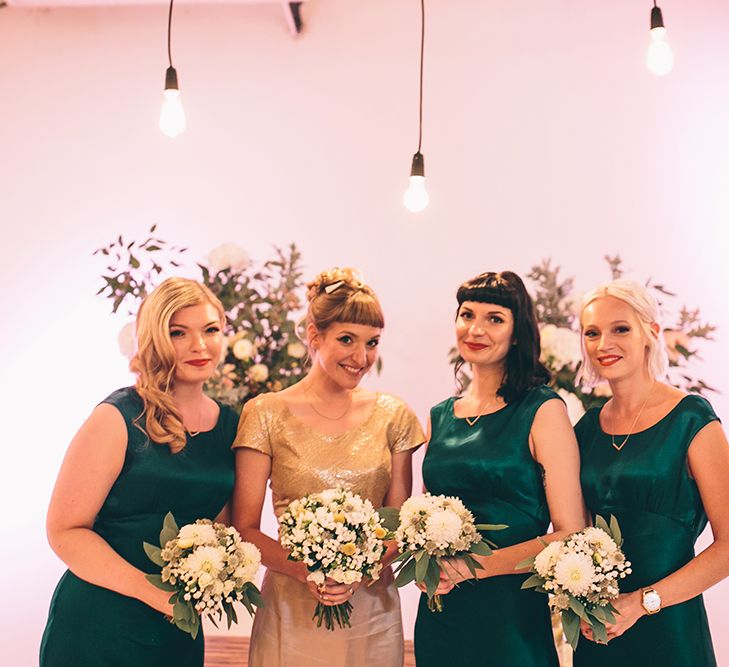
column 304, row 461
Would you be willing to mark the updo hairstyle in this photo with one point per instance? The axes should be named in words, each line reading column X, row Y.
column 339, row 295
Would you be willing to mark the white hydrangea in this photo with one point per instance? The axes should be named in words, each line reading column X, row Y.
column 258, row 372
column 296, row 349
column 243, row 349
column 127, row 340
column 560, row 346
column 228, row 256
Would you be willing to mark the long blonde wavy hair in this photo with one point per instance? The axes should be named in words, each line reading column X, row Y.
column 154, row 361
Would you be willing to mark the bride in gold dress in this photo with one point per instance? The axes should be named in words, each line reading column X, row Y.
column 321, row 433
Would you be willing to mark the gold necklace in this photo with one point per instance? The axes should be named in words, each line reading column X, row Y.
column 192, row 434
column 635, row 421
column 321, row 414
column 471, row 421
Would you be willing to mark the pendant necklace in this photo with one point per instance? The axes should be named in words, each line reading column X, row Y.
column 635, row 421
column 471, row 421
column 192, row 434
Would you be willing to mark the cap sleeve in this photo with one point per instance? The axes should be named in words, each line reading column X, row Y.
column 406, row 432
column 254, row 427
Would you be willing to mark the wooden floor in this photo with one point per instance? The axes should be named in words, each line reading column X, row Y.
column 233, row 652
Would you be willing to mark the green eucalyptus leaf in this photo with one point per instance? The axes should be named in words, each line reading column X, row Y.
column 254, row 595
column 421, row 565
column 169, row 530
column 153, row 553
column 571, row 627
column 615, row 530
column 406, row 573
column 491, row 526
column 432, row 577
column 156, row 579
column 524, row 564
column 599, row 632
column 578, row 608
column 601, row 523
column 390, row 518
column 532, row 581
column 481, row 548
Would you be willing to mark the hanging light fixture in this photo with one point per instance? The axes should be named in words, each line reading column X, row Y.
column 172, row 116
column 416, row 196
column 660, row 57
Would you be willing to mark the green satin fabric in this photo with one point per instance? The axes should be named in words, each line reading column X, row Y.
column 89, row 625
column 490, row 467
column 648, row 488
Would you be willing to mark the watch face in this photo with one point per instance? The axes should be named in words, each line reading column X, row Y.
column 652, row 601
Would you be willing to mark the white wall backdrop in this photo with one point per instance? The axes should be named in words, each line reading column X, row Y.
column 545, row 136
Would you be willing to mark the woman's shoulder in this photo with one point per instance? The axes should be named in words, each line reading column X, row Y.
column 444, row 406
column 534, row 397
column 391, row 403
column 697, row 406
column 126, row 400
column 266, row 402
column 542, row 393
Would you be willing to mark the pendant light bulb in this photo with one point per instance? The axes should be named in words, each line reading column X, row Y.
column 660, row 56
column 172, row 115
column 416, row 197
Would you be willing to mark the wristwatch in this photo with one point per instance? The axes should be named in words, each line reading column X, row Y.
column 651, row 601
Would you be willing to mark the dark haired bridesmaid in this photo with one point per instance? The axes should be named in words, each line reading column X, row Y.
column 507, row 449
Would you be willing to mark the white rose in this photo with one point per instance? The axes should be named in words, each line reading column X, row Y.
column 228, row 256
column 575, row 409
column 127, row 340
column 243, row 349
column 204, row 580
column 317, row 577
column 296, row 349
column 258, row 372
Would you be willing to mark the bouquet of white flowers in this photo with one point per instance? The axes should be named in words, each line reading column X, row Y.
column 338, row 535
column 429, row 529
column 580, row 574
column 207, row 567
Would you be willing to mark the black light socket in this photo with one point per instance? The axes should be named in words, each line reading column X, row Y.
column 656, row 18
column 418, row 167
column 171, row 79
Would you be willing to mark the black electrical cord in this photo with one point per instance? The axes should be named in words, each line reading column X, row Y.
column 169, row 33
column 422, row 53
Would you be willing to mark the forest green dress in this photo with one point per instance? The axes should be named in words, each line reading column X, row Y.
column 489, row 466
column 93, row 626
column 648, row 488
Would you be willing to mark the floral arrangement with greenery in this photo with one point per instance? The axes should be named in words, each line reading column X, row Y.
column 558, row 305
column 263, row 352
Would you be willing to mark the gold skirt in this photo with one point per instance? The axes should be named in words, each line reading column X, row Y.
column 284, row 634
